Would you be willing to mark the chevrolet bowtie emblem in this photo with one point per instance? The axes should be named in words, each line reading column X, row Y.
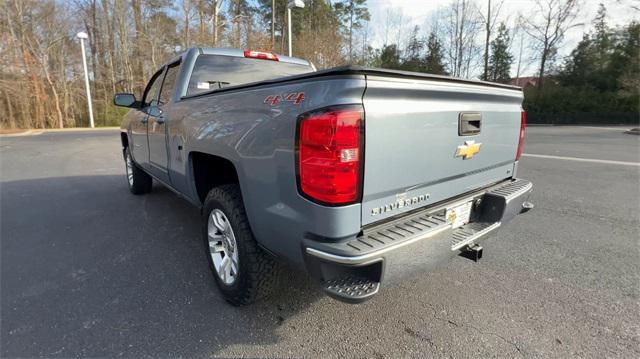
column 468, row 150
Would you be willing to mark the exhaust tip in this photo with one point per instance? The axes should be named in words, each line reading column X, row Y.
column 527, row 206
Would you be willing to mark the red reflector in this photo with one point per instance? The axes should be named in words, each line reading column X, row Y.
column 523, row 125
column 261, row 55
column 330, row 155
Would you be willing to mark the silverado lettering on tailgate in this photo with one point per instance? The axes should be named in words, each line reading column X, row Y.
column 401, row 201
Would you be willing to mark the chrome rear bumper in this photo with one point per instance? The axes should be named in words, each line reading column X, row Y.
column 416, row 242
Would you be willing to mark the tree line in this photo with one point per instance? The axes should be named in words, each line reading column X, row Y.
column 42, row 83
column 599, row 82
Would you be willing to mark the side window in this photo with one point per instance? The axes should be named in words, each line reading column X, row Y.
column 151, row 94
column 169, row 83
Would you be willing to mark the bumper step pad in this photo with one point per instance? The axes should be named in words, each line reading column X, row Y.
column 351, row 288
column 470, row 232
column 512, row 189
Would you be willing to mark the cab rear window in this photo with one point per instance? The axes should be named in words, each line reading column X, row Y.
column 212, row 72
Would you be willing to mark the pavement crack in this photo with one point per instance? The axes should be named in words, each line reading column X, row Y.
column 416, row 334
column 512, row 343
column 520, row 351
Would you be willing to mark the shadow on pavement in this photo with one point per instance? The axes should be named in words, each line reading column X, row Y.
column 87, row 269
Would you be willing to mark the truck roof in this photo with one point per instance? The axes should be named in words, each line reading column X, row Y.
column 194, row 51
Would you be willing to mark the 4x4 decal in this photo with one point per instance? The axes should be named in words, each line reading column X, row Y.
column 295, row 97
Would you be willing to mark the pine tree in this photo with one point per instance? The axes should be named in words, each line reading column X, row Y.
column 434, row 61
column 500, row 60
column 626, row 59
column 389, row 57
column 413, row 59
column 352, row 13
column 601, row 51
column 601, row 61
column 579, row 67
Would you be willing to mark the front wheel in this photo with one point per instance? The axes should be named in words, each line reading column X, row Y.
column 242, row 270
column 139, row 181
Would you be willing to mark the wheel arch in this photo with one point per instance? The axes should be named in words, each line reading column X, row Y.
column 124, row 139
column 209, row 171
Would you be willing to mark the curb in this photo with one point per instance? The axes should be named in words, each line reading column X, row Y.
column 54, row 130
column 80, row 129
column 20, row 134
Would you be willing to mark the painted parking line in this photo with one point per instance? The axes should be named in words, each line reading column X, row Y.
column 622, row 128
column 592, row 160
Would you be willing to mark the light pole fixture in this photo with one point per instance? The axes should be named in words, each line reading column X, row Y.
column 290, row 5
column 83, row 36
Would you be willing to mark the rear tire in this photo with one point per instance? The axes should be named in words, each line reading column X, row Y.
column 139, row 181
column 251, row 274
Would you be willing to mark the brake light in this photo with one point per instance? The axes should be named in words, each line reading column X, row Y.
column 523, row 125
column 261, row 55
column 330, row 155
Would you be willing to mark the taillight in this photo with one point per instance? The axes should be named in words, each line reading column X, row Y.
column 261, row 55
column 523, row 125
column 330, row 155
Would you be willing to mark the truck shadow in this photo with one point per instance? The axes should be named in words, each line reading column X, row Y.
column 90, row 270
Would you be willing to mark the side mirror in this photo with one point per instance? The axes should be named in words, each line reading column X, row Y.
column 124, row 100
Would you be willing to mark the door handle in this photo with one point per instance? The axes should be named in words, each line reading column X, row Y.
column 469, row 123
column 160, row 119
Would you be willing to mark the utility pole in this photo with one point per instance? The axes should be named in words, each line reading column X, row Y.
column 289, row 27
column 83, row 36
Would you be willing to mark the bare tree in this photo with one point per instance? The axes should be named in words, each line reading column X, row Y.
column 548, row 29
column 139, row 67
column 187, row 8
column 635, row 4
column 41, row 75
column 273, row 24
column 493, row 12
column 392, row 24
column 217, row 4
column 353, row 14
column 461, row 26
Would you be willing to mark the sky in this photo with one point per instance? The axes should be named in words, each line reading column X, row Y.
column 420, row 12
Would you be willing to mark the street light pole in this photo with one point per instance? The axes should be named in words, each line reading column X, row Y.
column 82, row 36
column 289, row 26
column 291, row 4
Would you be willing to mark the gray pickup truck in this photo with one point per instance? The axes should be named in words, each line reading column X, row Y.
column 358, row 176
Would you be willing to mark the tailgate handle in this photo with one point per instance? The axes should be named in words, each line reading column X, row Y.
column 469, row 123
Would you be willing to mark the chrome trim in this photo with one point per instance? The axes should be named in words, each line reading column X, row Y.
column 377, row 255
column 373, row 256
column 475, row 236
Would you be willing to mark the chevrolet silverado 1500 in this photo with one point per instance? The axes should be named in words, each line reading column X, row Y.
column 358, row 176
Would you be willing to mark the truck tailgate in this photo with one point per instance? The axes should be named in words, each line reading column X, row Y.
column 412, row 139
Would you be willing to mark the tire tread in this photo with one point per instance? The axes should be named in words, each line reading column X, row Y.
column 261, row 271
column 142, row 182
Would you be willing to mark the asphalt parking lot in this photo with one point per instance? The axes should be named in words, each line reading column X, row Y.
column 89, row 270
